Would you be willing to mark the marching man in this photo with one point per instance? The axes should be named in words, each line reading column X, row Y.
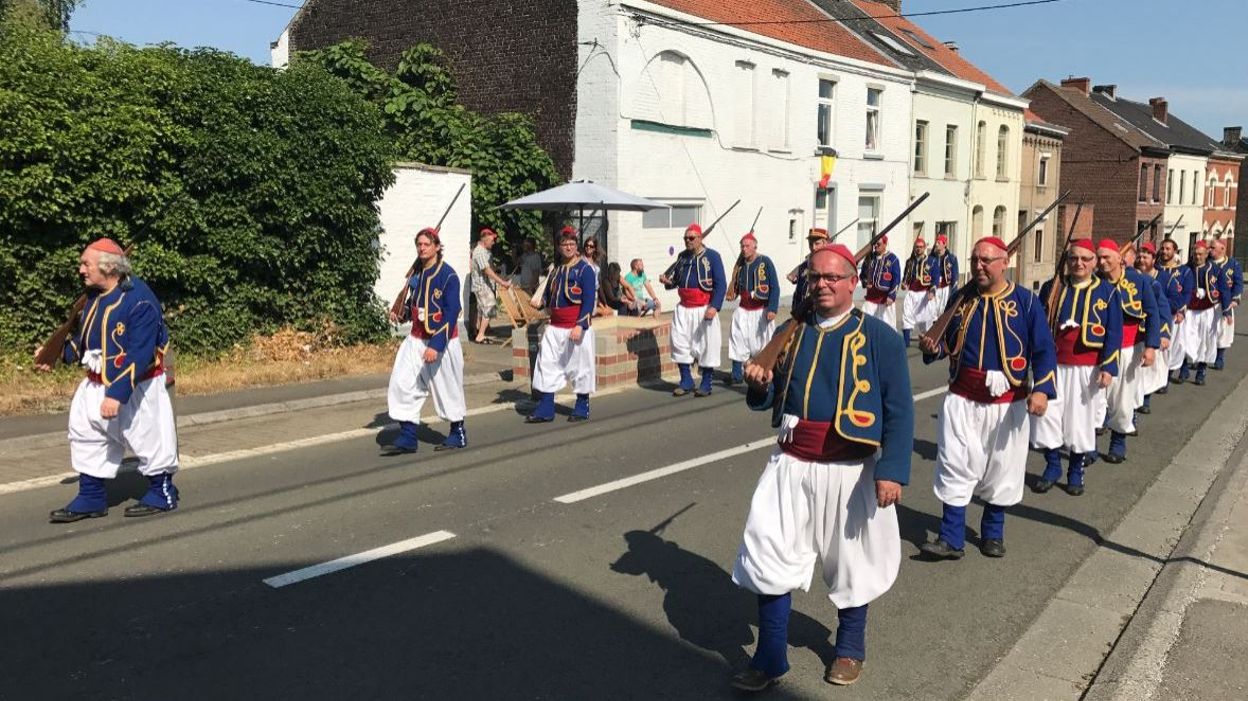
column 1207, row 308
column 881, row 277
column 698, row 276
column 567, row 349
column 1156, row 377
column 754, row 321
column 921, row 279
column 1233, row 280
column 948, row 285
column 1141, row 337
column 1178, row 281
column 997, row 337
column 816, row 239
column 1088, row 318
column 828, row 490
column 431, row 359
column 122, row 404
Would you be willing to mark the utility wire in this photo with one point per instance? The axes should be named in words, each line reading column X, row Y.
column 836, row 20
column 276, row 4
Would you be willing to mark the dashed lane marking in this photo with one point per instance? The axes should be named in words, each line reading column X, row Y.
column 367, row 556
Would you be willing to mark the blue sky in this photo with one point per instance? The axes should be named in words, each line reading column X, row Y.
column 1183, row 50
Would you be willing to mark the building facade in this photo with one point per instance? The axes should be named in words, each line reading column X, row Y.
column 1222, row 196
column 1040, row 178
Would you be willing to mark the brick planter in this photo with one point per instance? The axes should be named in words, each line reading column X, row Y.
column 627, row 350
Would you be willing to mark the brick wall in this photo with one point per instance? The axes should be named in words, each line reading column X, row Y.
column 506, row 56
column 1099, row 169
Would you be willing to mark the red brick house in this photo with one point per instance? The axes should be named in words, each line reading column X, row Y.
column 1233, row 140
column 1106, row 161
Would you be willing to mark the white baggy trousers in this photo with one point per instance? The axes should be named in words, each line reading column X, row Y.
column 412, row 380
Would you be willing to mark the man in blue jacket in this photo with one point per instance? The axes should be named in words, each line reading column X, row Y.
column 842, row 403
column 755, row 286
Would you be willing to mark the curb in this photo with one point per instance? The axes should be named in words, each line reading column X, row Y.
column 1066, row 647
column 55, row 438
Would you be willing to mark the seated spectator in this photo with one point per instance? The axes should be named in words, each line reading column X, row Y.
column 529, row 265
column 644, row 297
column 610, row 293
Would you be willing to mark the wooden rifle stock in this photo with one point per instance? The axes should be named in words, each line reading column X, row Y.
column 736, row 268
column 396, row 308
column 769, row 356
column 52, row 350
column 1055, row 288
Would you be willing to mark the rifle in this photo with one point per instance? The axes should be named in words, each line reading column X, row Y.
column 1171, row 231
column 937, row 329
column 396, row 309
column 736, row 268
column 769, row 356
column 1055, row 288
column 843, row 230
column 1130, row 245
column 671, row 269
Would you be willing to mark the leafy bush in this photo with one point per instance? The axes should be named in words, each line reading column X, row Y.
column 247, row 192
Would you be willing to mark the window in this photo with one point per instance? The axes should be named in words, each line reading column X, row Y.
column 998, row 222
column 977, row 223
column 780, row 98
column 824, row 130
column 1213, row 186
column 920, row 147
column 873, row 118
column 918, row 39
column 677, row 216
column 918, row 231
column 1143, row 183
column 1182, row 186
column 746, row 127
column 868, row 218
column 1170, row 187
column 1226, row 198
column 951, row 150
column 1037, row 234
column 1195, row 188
column 981, row 145
column 892, row 43
column 825, row 208
column 1003, row 153
column 1042, row 177
column 1156, row 183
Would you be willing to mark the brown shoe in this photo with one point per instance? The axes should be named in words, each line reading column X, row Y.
column 844, row 671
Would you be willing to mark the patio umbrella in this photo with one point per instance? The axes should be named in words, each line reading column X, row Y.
column 582, row 194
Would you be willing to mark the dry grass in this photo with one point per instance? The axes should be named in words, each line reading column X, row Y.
column 286, row 357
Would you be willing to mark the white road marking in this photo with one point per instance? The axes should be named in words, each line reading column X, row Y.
column 591, row 492
column 343, row 563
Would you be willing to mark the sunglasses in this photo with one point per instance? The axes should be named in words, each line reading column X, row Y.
column 691, row 238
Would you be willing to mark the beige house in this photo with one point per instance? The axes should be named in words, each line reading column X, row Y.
column 1039, row 186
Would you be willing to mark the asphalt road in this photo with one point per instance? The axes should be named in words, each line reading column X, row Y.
column 625, row 595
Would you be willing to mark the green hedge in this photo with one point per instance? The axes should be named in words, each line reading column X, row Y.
column 247, row 192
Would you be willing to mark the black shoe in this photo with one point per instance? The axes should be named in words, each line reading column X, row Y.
column 1144, row 410
column 1100, row 431
column 1163, row 390
column 535, row 419
column 679, row 392
column 993, row 548
column 699, row 392
column 573, row 419
column 392, row 450
column 1073, row 490
column 1114, row 458
column 139, row 510
column 1042, row 486
column 731, row 381
column 67, row 516
column 1179, row 379
column 442, row 446
column 753, row 680
column 1200, row 380
column 942, row 550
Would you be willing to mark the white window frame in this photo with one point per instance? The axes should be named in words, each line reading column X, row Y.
column 1003, row 152
column 875, row 120
column 981, row 149
column 867, row 225
column 825, row 118
column 651, row 219
column 1042, row 174
column 921, row 138
column 951, row 150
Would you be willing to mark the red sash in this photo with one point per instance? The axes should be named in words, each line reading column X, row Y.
column 876, row 295
column 1130, row 329
column 1070, row 348
column 419, row 331
column 1198, row 304
column 816, row 441
column 916, row 286
column 969, row 383
column 564, row 317
column 156, row 371
column 693, row 297
column 747, row 302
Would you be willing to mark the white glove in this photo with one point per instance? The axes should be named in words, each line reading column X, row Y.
column 91, row 361
column 788, row 422
column 996, row 383
column 1069, row 324
column 1200, row 294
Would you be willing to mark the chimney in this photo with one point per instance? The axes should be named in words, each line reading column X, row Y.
column 1231, row 136
column 1110, row 91
column 952, row 46
column 1083, row 85
column 1160, row 109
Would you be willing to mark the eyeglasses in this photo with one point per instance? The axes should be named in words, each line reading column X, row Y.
column 590, row 246
column 830, row 278
column 985, row 261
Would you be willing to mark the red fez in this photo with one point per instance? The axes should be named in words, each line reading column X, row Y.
column 1149, row 246
column 431, row 233
column 106, row 245
column 817, row 233
column 1202, row 244
column 1085, row 244
column 994, row 241
column 749, row 236
column 841, row 250
column 1107, row 244
column 566, row 233
column 488, row 232
column 942, row 240
column 883, row 239
column 695, row 228
column 920, row 242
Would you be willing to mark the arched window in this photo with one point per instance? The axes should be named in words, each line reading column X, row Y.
column 1226, row 199
column 670, row 90
column 1210, row 190
column 1003, row 150
column 998, row 222
column 977, row 222
column 981, row 145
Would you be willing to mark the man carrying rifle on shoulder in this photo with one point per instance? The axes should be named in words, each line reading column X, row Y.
column 881, row 278
column 1233, row 279
column 816, row 239
column 122, row 404
column 1155, row 377
column 1178, row 281
column 1208, row 307
column 698, row 277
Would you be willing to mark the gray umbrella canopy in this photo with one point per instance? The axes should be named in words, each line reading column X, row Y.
column 583, row 194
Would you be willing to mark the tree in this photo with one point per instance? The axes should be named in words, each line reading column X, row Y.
column 52, row 14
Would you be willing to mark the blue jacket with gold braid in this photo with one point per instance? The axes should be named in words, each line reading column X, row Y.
column 127, row 326
column 948, row 271
column 1208, row 278
column 1006, row 332
column 1232, row 276
column 1139, row 306
column 1177, row 281
column 1165, row 317
column 1098, row 313
column 571, row 286
column 433, row 304
column 880, row 276
column 848, row 385
column 924, row 271
column 757, row 278
column 702, row 271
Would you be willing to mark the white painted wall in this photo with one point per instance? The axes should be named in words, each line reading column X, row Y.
column 279, row 51
column 416, row 200
column 991, row 191
column 940, row 104
column 1193, row 214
